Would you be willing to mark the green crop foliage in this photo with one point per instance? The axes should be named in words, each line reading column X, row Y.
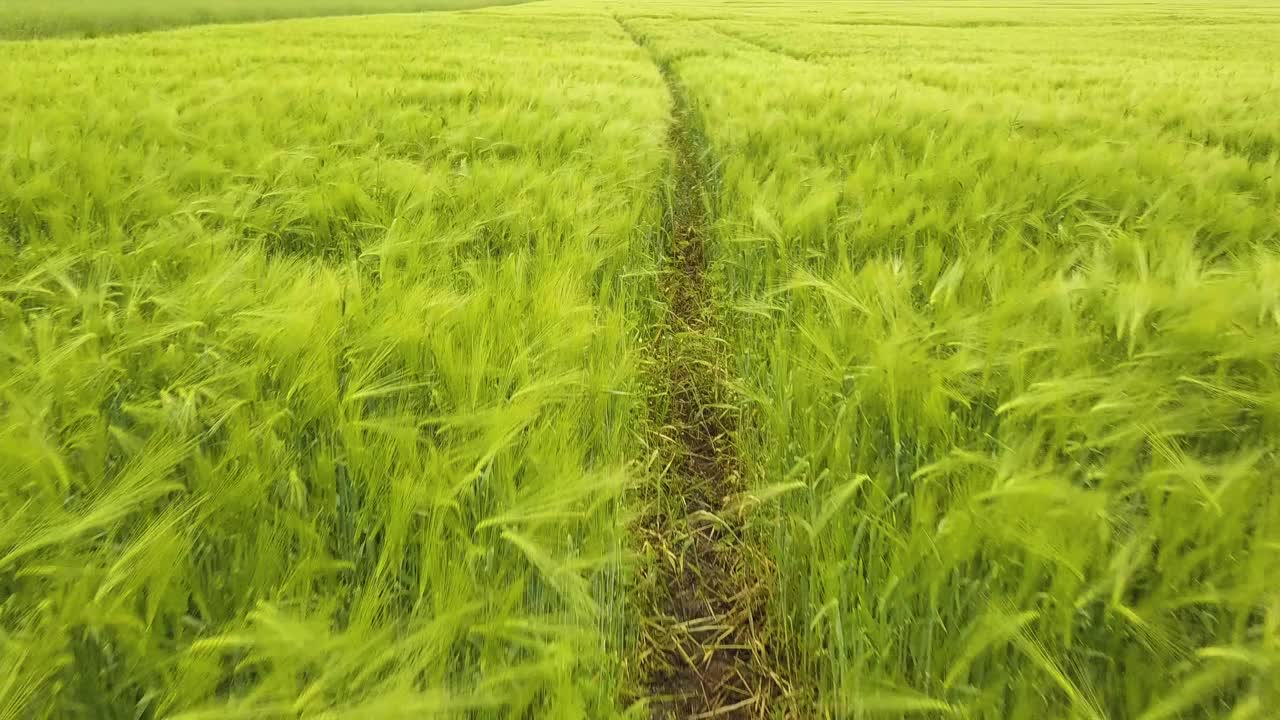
column 318, row 367
column 1003, row 287
column 327, row 375
column 26, row 19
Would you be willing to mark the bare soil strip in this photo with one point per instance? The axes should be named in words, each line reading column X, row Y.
column 703, row 652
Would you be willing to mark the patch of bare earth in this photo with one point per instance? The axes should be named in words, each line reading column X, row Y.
column 704, row 651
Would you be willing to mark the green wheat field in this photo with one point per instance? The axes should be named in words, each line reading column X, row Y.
column 328, row 381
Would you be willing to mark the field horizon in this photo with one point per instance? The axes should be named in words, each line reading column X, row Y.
column 77, row 19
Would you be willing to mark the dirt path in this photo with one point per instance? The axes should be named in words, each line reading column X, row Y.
column 704, row 652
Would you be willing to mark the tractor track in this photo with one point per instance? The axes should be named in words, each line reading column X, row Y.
column 704, row 647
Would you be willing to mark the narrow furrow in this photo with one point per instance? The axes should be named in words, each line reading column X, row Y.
column 704, row 647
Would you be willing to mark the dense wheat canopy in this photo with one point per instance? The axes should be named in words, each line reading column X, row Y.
column 585, row 359
column 1005, row 289
column 319, row 366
